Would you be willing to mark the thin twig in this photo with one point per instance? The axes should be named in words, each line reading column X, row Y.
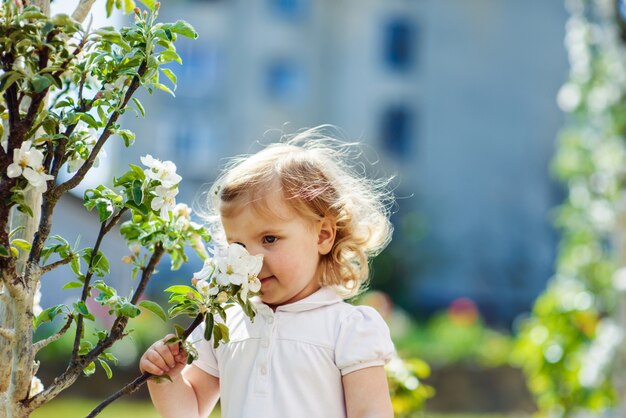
column 106, row 133
column 139, row 381
column 42, row 343
column 83, row 298
column 56, row 264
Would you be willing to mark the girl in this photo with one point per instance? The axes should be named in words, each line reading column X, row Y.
column 307, row 353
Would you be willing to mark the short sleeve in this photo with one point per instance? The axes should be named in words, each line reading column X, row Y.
column 207, row 360
column 363, row 341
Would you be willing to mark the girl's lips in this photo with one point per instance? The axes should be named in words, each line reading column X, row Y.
column 266, row 279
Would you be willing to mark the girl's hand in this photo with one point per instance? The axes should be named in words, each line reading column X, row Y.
column 162, row 358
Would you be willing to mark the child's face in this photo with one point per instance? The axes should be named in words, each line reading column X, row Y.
column 291, row 246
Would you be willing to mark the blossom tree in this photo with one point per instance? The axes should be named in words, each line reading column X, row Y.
column 64, row 87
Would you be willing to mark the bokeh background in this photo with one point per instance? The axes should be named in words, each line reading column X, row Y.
column 456, row 99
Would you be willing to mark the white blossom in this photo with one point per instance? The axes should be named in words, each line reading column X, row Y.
column 164, row 201
column 162, row 171
column 207, row 270
column 230, row 265
column 27, row 162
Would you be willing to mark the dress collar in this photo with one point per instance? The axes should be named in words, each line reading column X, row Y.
column 323, row 297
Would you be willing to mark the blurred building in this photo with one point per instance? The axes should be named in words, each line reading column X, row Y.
column 456, row 97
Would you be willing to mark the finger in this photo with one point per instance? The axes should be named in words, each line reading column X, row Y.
column 174, row 348
column 150, row 367
column 181, row 357
column 156, row 358
column 166, row 353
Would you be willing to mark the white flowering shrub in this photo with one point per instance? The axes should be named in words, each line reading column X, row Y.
column 63, row 89
column 572, row 346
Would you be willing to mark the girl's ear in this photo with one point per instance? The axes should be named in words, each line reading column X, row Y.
column 326, row 231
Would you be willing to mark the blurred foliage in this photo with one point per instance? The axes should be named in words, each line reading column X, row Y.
column 568, row 346
column 407, row 391
column 405, row 374
column 457, row 335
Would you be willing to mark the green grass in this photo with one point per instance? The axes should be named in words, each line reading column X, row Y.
column 78, row 408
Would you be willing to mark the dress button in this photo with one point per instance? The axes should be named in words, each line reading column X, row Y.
column 263, row 370
column 270, row 319
column 265, row 343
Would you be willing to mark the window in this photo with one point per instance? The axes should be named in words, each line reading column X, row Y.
column 397, row 130
column 399, row 44
column 202, row 74
column 290, row 9
column 284, row 81
column 184, row 144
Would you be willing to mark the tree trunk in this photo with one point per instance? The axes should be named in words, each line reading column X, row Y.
column 16, row 308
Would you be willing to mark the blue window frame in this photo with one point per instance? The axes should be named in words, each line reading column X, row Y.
column 284, row 80
column 397, row 130
column 290, row 9
column 399, row 44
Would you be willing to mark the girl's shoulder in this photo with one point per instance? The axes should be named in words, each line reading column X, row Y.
column 363, row 339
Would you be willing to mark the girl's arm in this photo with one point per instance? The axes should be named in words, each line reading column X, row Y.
column 191, row 393
column 367, row 393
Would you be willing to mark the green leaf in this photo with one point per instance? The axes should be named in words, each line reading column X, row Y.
column 106, row 367
column 149, row 3
column 129, row 310
column 217, row 336
column 180, row 331
column 75, row 265
column 8, row 79
column 109, row 7
column 3, row 251
column 88, row 119
column 224, row 331
column 154, row 308
column 164, row 88
column 129, row 5
column 72, row 285
column 48, row 315
column 105, row 209
column 15, row 231
column 21, row 244
column 184, row 28
column 181, row 290
column 168, row 55
column 139, row 106
column 81, row 308
column 208, row 326
column 90, row 369
column 170, row 74
column 33, row 14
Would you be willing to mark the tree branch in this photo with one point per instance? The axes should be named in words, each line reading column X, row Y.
column 106, row 133
column 56, row 264
column 82, row 10
column 117, row 329
column 77, row 365
column 42, row 343
column 9, row 334
column 139, row 381
column 80, row 319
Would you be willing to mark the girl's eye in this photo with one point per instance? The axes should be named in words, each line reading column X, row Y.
column 269, row 239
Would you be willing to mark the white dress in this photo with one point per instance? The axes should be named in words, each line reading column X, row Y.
column 289, row 363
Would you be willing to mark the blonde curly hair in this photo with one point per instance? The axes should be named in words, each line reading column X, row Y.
column 319, row 178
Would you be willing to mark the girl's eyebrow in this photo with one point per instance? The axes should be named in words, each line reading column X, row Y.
column 269, row 232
